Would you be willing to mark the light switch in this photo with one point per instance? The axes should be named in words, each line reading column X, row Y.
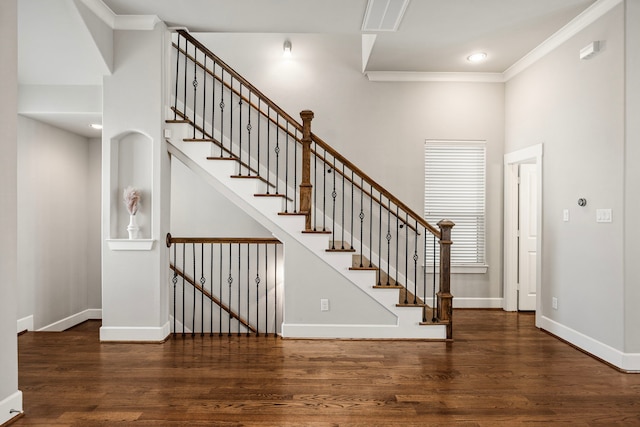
column 565, row 215
column 603, row 215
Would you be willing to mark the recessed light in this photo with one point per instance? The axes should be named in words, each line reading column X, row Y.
column 96, row 126
column 477, row 57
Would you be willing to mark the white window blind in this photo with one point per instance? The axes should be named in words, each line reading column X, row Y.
column 455, row 190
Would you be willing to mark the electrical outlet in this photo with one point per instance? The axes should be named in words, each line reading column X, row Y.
column 554, row 303
column 324, row 304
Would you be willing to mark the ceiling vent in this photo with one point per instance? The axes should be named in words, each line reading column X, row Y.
column 384, row 15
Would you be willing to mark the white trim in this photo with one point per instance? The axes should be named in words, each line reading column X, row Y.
column 416, row 76
column 102, row 11
column 25, row 324
column 477, row 303
column 73, row 320
column 511, row 160
column 435, row 332
column 136, row 22
column 626, row 361
column 11, row 403
column 135, row 333
column 579, row 23
column 130, row 245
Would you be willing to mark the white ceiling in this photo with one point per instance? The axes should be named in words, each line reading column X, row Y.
column 433, row 36
column 55, row 46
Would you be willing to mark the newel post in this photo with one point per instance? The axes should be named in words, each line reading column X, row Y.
column 305, row 185
column 445, row 299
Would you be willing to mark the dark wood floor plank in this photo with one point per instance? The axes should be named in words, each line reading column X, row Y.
column 500, row 371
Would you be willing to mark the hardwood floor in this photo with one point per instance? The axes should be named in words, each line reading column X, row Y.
column 500, row 371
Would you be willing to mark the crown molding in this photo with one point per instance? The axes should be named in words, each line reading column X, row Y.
column 411, row 76
column 121, row 22
column 580, row 22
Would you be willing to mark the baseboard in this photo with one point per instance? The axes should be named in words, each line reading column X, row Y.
column 135, row 333
column 629, row 362
column 73, row 320
column 25, row 324
column 435, row 332
column 10, row 407
column 477, row 302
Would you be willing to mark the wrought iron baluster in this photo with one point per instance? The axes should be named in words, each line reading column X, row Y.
column 342, row 209
column 229, row 281
column 174, row 280
column 389, row 243
column 184, row 99
column 211, row 287
column 268, row 146
column 221, row 297
column 424, row 281
column 380, row 240
column 415, row 266
column 239, row 287
column 249, row 139
column 295, row 168
column 275, row 293
column 277, row 151
column 266, row 289
column 434, row 300
column 203, row 281
column 175, row 102
column 371, row 226
column 213, row 101
column 406, row 256
column 257, row 280
column 195, row 87
column 221, row 112
column 184, row 320
column 193, row 313
column 361, row 220
column 231, row 120
column 315, row 181
column 352, row 229
column 324, row 190
column 239, row 133
column 286, row 170
column 334, row 194
column 397, row 241
column 204, row 97
column 248, row 288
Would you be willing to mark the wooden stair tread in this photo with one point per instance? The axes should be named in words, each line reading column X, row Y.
column 181, row 121
column 364, row 268
column 388, row 287
column 340, row 250
column 316, row 232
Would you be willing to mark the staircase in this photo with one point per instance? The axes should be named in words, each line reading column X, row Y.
column 310, row 197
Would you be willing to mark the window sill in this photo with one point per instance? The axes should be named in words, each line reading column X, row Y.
column 465, row 269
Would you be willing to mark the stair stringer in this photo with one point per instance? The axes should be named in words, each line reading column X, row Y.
column 403, row 322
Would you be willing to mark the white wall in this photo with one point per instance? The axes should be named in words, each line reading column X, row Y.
column 135, row 284
column 632, row 178
column 58, row 218
column 10, row 396
column 576, row 109
column 381, row 127
column 198, row 210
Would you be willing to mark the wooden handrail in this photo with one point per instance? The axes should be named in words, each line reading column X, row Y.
column 241, row 79
column 206, row 240
column 383, row 191
column 326, row 147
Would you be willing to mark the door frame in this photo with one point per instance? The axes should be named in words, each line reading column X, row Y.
column 512, row 160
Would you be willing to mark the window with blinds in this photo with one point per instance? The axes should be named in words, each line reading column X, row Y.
column 455, row 190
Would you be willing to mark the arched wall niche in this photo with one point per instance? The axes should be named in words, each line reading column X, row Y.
column 131, row 165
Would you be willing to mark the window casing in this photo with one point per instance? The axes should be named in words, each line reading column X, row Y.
column 455, row 184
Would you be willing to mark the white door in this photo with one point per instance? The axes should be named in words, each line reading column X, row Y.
column 528, row 235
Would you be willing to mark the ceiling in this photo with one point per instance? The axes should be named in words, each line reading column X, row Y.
column 433, row 36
